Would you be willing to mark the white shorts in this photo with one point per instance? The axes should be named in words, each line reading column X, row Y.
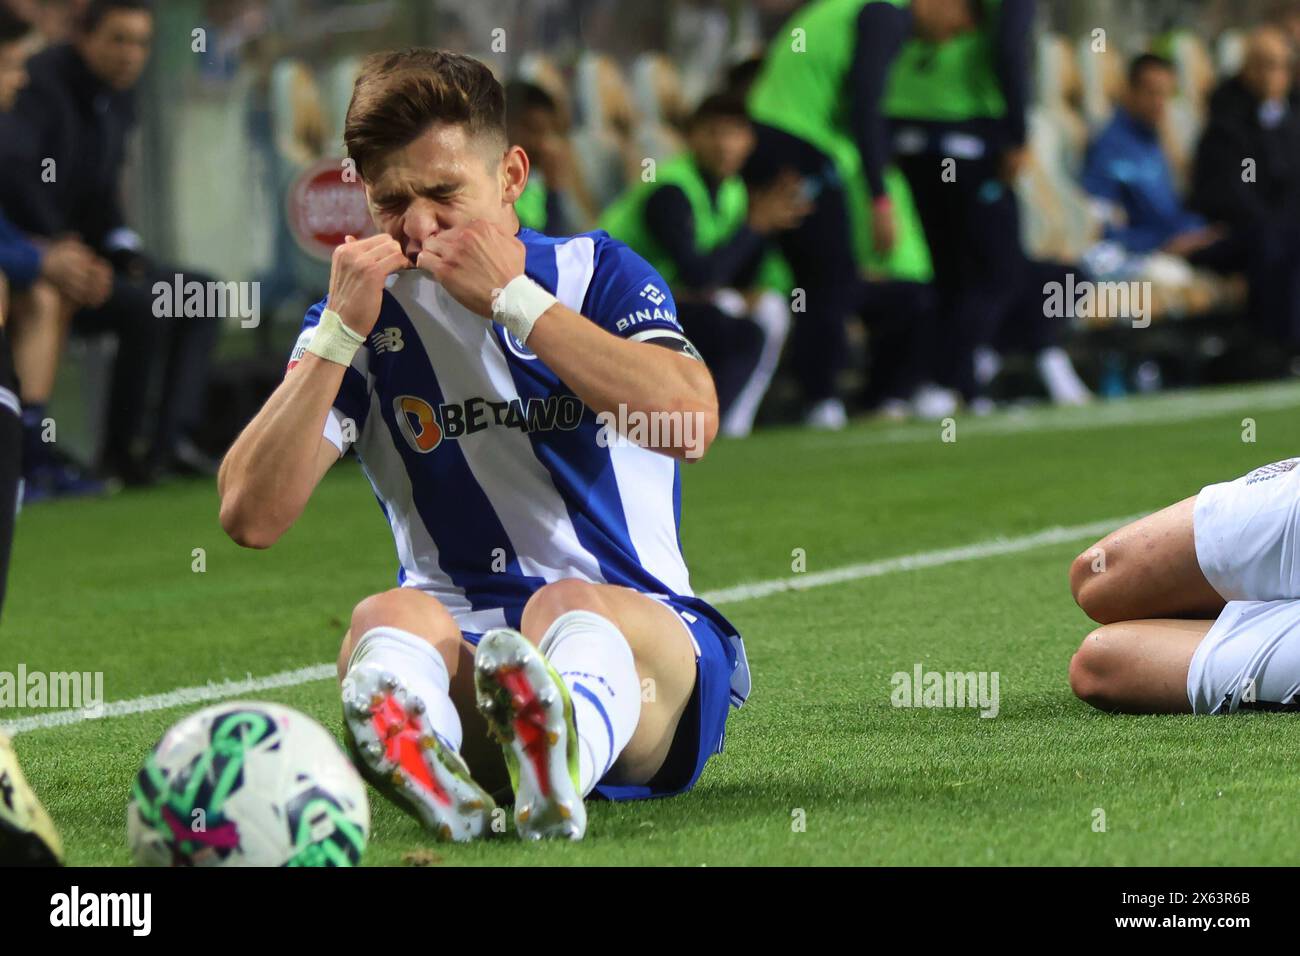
column 1249, row 660
column 1248, row 534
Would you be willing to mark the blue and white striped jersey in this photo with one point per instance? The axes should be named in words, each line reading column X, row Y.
column 487, row 467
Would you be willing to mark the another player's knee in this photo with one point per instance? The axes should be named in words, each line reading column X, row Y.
column 1092, row 584
column 1095, row 665
column 560, row 597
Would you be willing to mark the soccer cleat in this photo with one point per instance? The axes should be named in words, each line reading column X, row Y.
column 27, row 835
column 528, row 709
column 395, row 747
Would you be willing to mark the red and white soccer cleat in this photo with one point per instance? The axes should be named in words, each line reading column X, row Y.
column 528, row 709
column 396, row 749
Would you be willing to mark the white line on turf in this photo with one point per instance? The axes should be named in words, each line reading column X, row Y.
column 212, row 692
column 181, row 697
column 913, row 562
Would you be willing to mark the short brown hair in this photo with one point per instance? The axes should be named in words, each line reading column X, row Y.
column 400, row 94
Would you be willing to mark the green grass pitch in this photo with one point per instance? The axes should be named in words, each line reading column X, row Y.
column 819, row 766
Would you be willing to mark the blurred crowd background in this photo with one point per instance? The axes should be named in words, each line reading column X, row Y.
column 863, row 227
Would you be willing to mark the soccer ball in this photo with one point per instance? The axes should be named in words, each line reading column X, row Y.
column 248, row 784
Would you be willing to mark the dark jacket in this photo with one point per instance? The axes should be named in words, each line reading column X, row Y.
column 1233, row 134
column 68, row 115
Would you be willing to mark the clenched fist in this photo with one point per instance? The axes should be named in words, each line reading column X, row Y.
column 472, row 262
column 357, row 275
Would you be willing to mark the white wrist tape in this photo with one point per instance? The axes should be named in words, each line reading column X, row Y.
column 519, row 305
column 333, row 341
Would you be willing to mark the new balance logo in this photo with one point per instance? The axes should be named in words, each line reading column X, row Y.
column 389, row 340
column 651, row 292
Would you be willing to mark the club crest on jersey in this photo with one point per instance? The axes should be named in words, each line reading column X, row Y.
column 425, row 427
column 518, row 348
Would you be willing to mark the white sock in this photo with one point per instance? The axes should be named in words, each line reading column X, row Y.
column 418, row 665
column 593, row 659
column 1062, row 381
column 772, row 315
column 988, row 364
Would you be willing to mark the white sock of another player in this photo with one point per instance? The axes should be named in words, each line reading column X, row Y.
column 419, row 666
column 595, row 662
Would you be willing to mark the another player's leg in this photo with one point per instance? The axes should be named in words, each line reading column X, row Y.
column 396, row 667
column 1146, row 569
column 565, row 697
column 1247, row 659
column 27, row 836
column 1137, row 667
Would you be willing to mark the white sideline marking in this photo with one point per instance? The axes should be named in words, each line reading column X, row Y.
column 911, row 562
column 180, row 697
column 212, row 692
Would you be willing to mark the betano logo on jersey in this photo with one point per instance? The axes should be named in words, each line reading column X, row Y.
column 424, row 427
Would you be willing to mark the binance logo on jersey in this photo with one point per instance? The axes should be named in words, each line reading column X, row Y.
column 424, row 427
column 656, row 298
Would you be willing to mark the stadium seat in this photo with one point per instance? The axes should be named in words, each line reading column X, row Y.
column 657, row 91
column 297, row 114
column 1230, row 51
column 336, row 90
column 1186, row 116
column 607, row 119
column 541, row 70
column 1059, row 223
column 1102, row 79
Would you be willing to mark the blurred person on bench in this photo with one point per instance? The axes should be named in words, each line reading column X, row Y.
column 551, row 203
column 699, row 226
column 1247, row 169
column 47, row 281
column 76, row 115
column 1128, row 174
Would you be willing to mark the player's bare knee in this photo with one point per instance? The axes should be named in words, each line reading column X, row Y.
column 559, row 597
column 1092, row 583
column 1093, row 667
column 408, row 610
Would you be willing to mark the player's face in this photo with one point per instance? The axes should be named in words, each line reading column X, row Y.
column 721, row 145
column 117, row 50
column 13, row 73
column 441, row 180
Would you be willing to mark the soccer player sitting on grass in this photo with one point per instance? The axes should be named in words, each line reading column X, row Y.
column 1199, row 603
column 542, row 592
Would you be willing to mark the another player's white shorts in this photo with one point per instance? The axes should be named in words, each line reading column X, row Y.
column 1250, row 659
column 1248, row 534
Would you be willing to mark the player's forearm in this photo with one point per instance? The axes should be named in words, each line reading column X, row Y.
column 619, row 377
column 270, row 472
